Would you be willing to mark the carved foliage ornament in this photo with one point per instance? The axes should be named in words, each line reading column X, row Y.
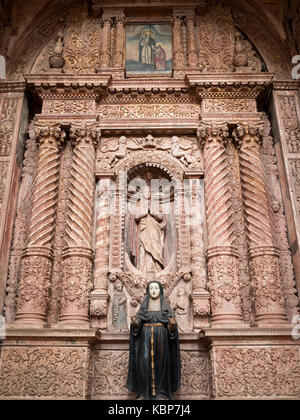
column 257, row 372
column 76, row 284
column 7, row 123
column 31, row 290
column 43, row 372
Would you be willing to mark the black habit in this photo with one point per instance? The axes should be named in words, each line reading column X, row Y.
column 157, row 375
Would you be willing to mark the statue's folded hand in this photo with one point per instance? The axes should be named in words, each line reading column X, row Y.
column 135, row 321
column 171, row 324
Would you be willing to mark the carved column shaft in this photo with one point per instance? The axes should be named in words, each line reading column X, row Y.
column 191, row 41
column 200, row 295
column 222, row 254
column 178, row 52
column 99, row 295
column 37, row 256
column 264, row 257
column 105, row 55
column 77, row 256
column 119, row 54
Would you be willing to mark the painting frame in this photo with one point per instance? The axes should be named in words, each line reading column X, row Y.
column 148, row 49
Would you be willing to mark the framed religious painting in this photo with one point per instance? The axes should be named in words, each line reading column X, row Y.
column 148, row 49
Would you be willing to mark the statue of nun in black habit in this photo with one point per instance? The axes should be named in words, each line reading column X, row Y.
column 154, row 357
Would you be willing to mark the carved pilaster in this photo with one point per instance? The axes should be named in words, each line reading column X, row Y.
column 99, row 295
column 200, row 295
column 37, row 256
column 105, row 53
column 119, row 53
column 222, row 254
column 191, row 41
column 178, row 50
column 264, row 257
column 77, row 256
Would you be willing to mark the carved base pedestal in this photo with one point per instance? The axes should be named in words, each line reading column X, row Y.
column 46, row 364
column 34, row 287
column 269, row 301
column 224, row 286
column 222, row 363
column 76, row 286
column 254, row 363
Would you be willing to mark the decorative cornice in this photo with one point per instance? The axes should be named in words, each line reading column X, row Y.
column 231, row 86
column 227, row 332
column 97, row 6
column 66, row 85
column 81, row 334
column 8, row 87
column 286, row 85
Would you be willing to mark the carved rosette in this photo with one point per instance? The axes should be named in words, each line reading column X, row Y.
column 77, row 256
column 222, row 255
column 264, row 257
column 37, row 256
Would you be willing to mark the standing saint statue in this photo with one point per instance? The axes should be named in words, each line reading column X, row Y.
column 119, row 307
column 147, row 237
column 154, row 358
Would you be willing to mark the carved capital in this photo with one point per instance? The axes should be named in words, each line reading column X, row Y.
column 248, row 134
column 85, row 135
column 213, row 133
column 49, row 135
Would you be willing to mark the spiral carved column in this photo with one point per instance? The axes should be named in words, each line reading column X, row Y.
column 222, row 255
column 37, row 256
column 77, row 256
column 269, row 303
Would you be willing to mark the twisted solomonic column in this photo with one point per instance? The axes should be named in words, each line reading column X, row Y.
column 37, row 256
column 222, row 255
column 269, row 303
column 77, row 256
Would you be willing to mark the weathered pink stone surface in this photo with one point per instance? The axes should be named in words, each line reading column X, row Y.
column 224, row 129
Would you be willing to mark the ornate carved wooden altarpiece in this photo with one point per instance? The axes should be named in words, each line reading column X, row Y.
column 223, row 130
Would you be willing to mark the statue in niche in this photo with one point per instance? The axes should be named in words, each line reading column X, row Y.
column 119, row 311
column 181, row 307
column 147, row 234
column 154, row 356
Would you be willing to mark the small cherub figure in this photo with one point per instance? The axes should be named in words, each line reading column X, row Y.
column 120, row 151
